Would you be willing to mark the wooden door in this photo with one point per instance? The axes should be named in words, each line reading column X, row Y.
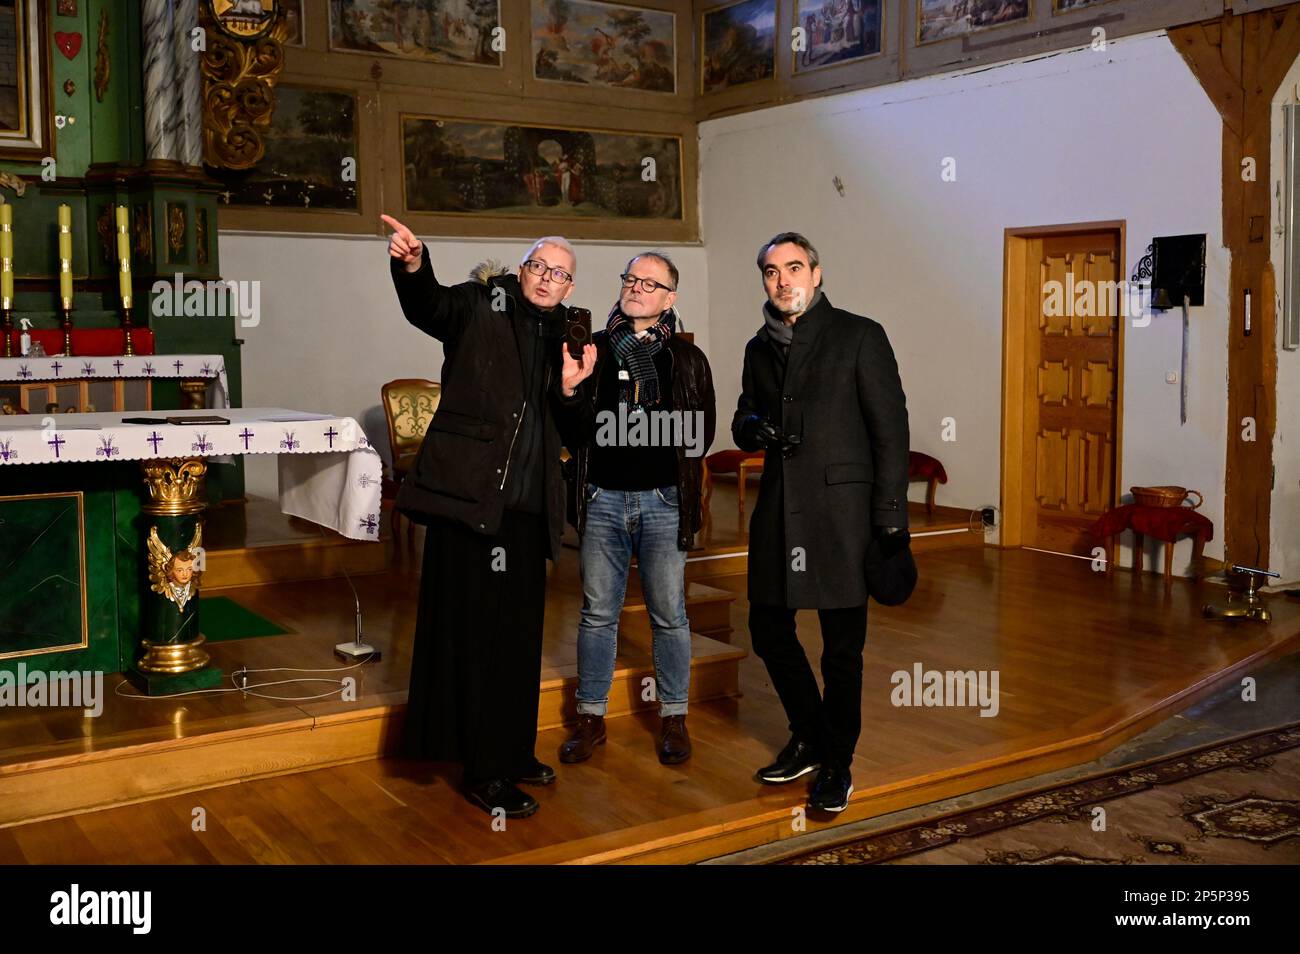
column 1071, row 384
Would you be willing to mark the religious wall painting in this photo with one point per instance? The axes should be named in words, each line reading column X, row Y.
column 945, row 19
column 488, row 169
column 244, row 19
column 1066, row 6
column 311, row 155
column 429, row 31
column 293, row 34
column 26, row 114
column 738, row 44
column 604, row 44
column 837, row 31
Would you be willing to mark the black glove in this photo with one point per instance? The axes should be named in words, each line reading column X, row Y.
column 893, row 540
column 761, row 431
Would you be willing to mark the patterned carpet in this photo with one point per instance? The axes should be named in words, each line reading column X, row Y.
column 1236, row 802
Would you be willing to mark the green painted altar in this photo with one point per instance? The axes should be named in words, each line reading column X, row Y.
column 72, row 565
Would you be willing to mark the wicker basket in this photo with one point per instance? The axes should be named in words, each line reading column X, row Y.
column 1164, row 496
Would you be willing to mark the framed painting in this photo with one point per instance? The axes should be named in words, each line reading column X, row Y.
column 946, row 19
column 429, row 31
column 293, row 34
column 311, row 155
column 26, row 106
column 737, row 44
column 490, row 169
column 604, row 44
column 837, row 31
column 1065, row 6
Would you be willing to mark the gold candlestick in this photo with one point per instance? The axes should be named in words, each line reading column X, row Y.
column 67, row 330
column 126, row 326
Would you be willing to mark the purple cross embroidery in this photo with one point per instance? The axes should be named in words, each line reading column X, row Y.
column 87, row 368
column 5, row 452
column 206, row 371
column 369, row 523
column 331, row 434
column 56, row 365
column 118, row 366
column 56, row 443
column 178, row 364
column 23, row 372
column 289, row 443
column 201, row 445
column 154, row 439
column 106, row 448
column 245, row 434
column 148, row 367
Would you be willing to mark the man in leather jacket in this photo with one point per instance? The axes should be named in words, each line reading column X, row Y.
column 641, row 424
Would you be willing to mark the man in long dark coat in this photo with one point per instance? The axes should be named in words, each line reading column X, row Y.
column 822, row 397
column 488, row 485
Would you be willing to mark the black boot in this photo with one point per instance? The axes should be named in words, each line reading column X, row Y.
column 501, row 793
column 539, row 774
column 831, row 790
column 796, row 759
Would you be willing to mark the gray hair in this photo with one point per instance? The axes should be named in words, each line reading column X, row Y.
column 661, row 256
column 558, row 241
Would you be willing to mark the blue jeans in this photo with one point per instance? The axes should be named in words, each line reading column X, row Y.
column 619, row 524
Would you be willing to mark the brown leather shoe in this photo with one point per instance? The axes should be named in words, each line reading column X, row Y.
column 674, row 741
column 586, row 735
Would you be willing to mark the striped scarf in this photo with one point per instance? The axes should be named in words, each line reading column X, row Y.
column 636, row 352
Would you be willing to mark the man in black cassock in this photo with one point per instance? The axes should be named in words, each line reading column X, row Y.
column 488, row 486
column 820, row 394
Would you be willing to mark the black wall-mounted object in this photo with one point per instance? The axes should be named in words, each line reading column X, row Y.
column 1178, row 269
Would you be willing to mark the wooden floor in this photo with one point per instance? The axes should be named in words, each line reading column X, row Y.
column 1085, row 661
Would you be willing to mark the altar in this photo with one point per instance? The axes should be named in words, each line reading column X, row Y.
column 101, row 520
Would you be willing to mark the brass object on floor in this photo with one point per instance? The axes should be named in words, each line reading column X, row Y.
column 1241, row 604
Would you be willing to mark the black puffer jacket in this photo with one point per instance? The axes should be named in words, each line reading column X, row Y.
column 692, row 391
column 464, row 461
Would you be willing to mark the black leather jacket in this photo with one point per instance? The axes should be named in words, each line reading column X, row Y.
column 692, row 391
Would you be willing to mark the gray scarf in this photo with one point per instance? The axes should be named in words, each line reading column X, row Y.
column 777, row 330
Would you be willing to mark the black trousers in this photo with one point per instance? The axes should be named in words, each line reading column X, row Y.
column 477, row 658
column 830, row 724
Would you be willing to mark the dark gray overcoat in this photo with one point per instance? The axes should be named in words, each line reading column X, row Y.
column 839, row 391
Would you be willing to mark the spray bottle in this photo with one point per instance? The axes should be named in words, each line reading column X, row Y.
column 25, row 339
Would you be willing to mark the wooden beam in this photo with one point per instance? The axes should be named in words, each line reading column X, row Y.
column 1240, row 61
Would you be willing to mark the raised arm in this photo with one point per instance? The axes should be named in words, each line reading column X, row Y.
column 436, row 309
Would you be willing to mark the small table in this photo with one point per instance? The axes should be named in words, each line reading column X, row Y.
column 739, row 462
column 1166, row 524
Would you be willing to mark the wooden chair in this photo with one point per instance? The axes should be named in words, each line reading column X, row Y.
column 740, row 463
column 409, row 406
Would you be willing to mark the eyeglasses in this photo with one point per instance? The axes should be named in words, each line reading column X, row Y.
column 558, row 275
column 647, row 284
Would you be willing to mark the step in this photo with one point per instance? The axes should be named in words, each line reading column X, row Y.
column 708, row 609
column 51, row 780
column 319, row 559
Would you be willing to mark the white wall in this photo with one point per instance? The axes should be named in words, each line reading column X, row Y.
column 331, row 332
column 1079, row 136
column 1284, row 519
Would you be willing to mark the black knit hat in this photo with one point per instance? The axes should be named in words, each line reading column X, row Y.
column 891, row 571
